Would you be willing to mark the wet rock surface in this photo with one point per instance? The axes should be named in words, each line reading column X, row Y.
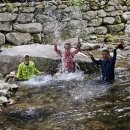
column 29, row 114
column 43, row 55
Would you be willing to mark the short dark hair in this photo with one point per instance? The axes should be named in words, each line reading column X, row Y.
column 68, row 44
column 106, row 50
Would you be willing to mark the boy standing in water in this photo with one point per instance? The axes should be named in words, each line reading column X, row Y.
column 68, row 56
column 107, row 63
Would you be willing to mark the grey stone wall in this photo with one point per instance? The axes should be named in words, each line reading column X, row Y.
column 42, row 22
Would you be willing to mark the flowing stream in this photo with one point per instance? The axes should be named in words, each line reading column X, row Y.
column 73, row 101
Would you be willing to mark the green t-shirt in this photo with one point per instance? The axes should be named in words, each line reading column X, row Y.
column 27, row 71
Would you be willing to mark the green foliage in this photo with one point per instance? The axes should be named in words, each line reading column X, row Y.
column 79, row 3
column 109, row 38
column 10, row 7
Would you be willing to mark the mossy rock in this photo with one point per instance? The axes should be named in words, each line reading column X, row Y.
column 100, row 36
column 49, row 38
column 79, row 3
column 3, row 9
column 116, row 27
column 37, row 38
column 94, row 5
column 109, row 38
column 7, row 45
column 10, row 7
column 121, row 33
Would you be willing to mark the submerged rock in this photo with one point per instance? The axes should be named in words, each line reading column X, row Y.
column 30, row 114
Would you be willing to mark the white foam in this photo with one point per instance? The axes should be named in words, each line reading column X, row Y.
column 69, row 76
column 49, row 79
column 39, row 80
column 88, row 91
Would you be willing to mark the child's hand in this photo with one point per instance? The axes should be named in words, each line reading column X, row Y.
column 121, row 46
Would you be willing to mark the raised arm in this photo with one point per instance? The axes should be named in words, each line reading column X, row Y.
column 78, row 47
column 120, row 46
column 115, row 54
column 97, row 62
column 57, row 50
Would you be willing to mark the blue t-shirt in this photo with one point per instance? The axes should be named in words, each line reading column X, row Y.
column 107, row 67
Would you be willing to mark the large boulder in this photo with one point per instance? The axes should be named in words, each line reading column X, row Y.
column 7, row 17
column 41, row 18
column 76, row 23
column 115, row 13
column 39, row 9
column 28, row 28
column 101, row 30
column 108, row 20
column 17, row 38
column 109, row 8
column 24, row 18
column 2, row 39
column 126, row 16
column 95, row 22
column 44, row 57
column 115, row 28
column 127, row 30
column 76, row 14
column 5, row 26
column 63, row 6
column 26, row 9
column 102, row 13
column 89, row 15
column 118, row 19
column 89, row 30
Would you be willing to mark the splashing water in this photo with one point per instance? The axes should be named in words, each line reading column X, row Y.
column 39, row 80
column 69, row 76
column 89, row 90
column 50, row 80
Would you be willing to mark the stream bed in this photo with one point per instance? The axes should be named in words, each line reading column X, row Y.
column 70, row 102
